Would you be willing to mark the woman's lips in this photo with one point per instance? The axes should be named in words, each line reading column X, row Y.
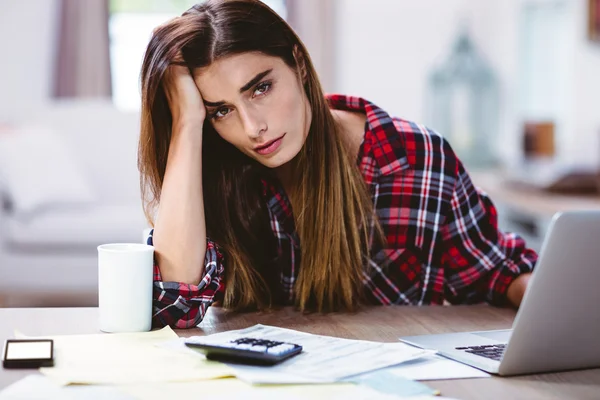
column 270, row 147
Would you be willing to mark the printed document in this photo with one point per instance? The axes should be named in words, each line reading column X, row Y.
column 323, row 359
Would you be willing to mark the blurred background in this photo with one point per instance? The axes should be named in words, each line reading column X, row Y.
column 514, row 85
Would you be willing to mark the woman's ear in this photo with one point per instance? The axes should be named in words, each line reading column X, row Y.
column 300, row 62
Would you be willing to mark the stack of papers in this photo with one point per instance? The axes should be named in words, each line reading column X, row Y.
column 144, row 365
column 324, row 358
column 125, row 358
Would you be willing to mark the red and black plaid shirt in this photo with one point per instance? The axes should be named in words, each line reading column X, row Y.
column 443, row 241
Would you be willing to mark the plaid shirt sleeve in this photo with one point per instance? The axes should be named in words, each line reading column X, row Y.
column 480, row 262
column 181, row 305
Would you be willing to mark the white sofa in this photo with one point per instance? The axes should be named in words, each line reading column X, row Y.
column 48, row 257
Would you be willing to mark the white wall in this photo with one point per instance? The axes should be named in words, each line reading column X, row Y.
column 385, row 50
column 495, row 25
column 584, row 139
column 27, row 47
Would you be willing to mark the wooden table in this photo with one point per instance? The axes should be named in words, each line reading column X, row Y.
column 378, row 323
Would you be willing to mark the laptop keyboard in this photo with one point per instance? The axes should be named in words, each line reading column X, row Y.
column 493, row 351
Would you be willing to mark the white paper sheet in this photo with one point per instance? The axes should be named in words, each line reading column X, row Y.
column 324, row 358
column 39, row 387
column 234, row 389
column 125, row 358
column 434, row 367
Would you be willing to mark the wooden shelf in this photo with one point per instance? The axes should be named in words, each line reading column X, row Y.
column 525, row 210
column 531, row 201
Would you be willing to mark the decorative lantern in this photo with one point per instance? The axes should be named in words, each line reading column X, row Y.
column 463, row 104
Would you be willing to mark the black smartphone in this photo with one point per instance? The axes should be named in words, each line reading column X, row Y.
column 28, row 353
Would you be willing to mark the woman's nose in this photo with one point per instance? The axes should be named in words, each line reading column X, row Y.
column 254, row 125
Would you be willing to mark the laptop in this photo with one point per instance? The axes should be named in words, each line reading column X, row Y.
column 557, row 327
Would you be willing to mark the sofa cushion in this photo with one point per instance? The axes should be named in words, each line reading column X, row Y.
column 77, row 228
column 106, row 141
column 39, row 170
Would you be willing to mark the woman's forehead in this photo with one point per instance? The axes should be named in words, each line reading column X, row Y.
column 227, row 75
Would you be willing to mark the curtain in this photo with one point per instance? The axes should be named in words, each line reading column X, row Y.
column 83, row 58
column 314, row 22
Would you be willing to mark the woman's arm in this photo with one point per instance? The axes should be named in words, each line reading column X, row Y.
column 481, row 262
column 188, row 270
column 179, row 235
column 181, row 305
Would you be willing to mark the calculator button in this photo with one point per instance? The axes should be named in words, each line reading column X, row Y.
column 276, row 350
column 242, row 346
column 259, row 349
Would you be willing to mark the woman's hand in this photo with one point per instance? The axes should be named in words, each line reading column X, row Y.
column 517, row 288
column 185, row 101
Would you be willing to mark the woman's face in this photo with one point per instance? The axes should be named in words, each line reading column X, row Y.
column 256, row 103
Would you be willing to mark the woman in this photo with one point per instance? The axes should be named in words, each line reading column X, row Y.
column 268, row 193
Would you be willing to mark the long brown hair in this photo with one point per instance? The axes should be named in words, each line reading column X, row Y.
column 333, row 211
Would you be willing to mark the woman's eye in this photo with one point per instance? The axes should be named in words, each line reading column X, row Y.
column 221, row 112
column 262, row 88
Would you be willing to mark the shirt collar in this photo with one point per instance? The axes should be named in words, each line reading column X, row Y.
column 382, row 141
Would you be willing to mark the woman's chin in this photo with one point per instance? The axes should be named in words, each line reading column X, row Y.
column 277, row 160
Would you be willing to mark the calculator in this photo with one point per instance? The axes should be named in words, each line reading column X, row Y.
column 245, row 350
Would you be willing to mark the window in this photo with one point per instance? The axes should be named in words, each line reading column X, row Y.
column 130, row 27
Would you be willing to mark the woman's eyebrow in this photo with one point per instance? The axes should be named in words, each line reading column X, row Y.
column 244, row 88
column 255, row 80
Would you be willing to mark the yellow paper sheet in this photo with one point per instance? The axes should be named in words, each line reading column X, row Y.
column 235, row 389
column 125, row 358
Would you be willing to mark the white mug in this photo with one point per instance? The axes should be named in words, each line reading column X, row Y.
column 125, row 287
